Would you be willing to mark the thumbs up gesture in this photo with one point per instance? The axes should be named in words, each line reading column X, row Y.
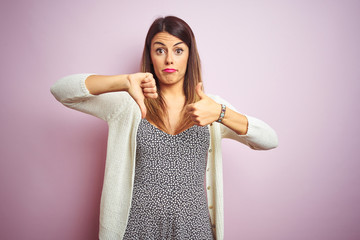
column 142, row 85
column 204, row 111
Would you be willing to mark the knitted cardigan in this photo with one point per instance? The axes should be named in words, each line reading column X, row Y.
column 123, row 116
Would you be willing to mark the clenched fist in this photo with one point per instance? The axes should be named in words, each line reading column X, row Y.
column 141, row 86
column 205, row 111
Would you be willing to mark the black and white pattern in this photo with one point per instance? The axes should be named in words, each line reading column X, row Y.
column 169, row 195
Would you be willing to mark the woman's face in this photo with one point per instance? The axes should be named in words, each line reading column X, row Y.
column 169, row 56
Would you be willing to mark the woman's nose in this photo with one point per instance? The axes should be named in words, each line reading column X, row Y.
column 169, row 59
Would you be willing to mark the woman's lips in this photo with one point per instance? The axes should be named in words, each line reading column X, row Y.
column 169, row 70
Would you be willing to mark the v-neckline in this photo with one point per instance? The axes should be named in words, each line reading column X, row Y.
column 168, row 134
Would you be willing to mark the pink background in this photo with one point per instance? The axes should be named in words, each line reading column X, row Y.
column 293, row 64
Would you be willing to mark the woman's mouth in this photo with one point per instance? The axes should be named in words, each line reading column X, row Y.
column 169, row 70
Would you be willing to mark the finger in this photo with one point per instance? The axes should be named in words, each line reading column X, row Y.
column 142, row 107
column 195, row 120
column 149, row 75
column 189, row 108
column 148, row 84
column 151, row 95
column 149, row 90
column 149, row 78
column 145, row 80
column 199, row 90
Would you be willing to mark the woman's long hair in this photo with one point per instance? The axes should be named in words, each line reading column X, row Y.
column 156, row 108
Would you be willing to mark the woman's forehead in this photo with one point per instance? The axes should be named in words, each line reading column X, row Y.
column 165, row 38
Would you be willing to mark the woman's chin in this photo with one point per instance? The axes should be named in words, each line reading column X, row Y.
column 170, row 81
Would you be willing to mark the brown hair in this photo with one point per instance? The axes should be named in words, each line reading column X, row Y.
column 156, row 108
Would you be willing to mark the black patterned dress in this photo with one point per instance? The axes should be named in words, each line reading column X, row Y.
column 169, row 197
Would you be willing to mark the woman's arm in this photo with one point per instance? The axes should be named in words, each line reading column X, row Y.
column 138, row 85
column 101, row 95
column 248, row 130
column 235, row 121
column 259, row 135
column 98, row 84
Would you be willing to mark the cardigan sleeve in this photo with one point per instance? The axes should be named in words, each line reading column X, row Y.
column 71, row 91
column 259, row 136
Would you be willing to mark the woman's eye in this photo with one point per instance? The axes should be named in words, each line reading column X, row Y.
column 160, row 51
column 179, row 51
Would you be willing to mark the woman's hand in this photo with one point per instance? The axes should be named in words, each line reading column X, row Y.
column 205, row 111
column 141, row 86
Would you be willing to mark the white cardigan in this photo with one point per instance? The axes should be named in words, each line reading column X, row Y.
column 123, row 116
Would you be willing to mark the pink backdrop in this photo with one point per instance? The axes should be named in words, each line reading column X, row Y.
column 293, row 64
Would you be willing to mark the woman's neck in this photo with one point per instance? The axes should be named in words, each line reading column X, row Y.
column 174, row 97
column 174, row 92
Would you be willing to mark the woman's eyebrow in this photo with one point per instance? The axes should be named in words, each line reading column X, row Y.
column 159, row 43
column 178, row 43
column 165, row 45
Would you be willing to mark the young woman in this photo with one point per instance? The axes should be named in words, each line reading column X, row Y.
column 163, row 172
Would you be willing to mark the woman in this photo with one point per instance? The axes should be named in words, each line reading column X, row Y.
column 164, row 140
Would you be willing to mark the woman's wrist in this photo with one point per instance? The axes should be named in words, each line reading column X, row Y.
column 235, row 121
column 222, row 113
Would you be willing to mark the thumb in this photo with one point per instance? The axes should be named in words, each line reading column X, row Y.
column 199, row 90
column 142, row 106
